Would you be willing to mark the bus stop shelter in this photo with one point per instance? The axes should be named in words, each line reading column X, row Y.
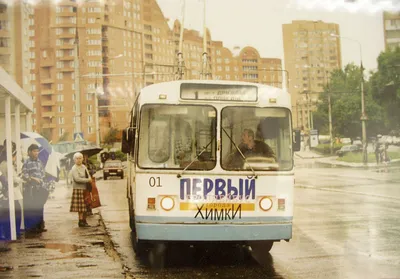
column 15, row 112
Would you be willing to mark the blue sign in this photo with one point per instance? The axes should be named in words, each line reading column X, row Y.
column 78, row 137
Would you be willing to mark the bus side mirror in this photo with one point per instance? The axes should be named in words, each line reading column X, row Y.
column 128, row 140
column 296, row 140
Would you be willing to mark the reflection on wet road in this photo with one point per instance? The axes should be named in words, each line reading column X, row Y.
column 350, row 229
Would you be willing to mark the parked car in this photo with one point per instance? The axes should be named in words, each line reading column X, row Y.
column 113, row 168
column 348, row 149
column 345, row 140
column 357, row 141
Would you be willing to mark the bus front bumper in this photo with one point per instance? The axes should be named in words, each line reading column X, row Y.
column 214, row 232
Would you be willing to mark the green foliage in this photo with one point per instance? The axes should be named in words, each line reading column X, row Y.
column 120, row 156
column 344, row 88
column 93, row 160
column 64, row 137
column 326, row 148
column 46, row 133
column 358, row 157
column 385, row 89
column 111, row 136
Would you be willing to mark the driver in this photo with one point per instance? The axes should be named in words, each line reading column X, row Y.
column 250, row 148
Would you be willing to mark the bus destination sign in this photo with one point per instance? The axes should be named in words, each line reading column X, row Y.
column 219, row 92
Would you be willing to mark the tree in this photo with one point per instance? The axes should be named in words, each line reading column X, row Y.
column 344, row 88
column 385, row 89
column 46, row 133
column 111, row 136
column 64, row 137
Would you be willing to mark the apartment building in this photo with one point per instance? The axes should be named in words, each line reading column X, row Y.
column 224, row 64
column 310, row 54
column 16, row 42
column 391, row 29
column 86, row 62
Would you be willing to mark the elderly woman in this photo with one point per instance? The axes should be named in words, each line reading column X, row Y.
column 80, row 176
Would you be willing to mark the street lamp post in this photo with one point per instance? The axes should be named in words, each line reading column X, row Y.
column 363, row 113
column 98, row 93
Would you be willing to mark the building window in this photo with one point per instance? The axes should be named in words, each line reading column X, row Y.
column 90, row 130
column 60, row 98
column 89, row 119
column 61, row 120
column 61, row 131
column 60, row 109
column 89, row 108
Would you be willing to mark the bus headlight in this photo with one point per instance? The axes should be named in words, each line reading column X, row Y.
column 265, row 203
column 167, row 203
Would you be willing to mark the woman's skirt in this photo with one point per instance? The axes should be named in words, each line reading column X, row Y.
column 78, row 201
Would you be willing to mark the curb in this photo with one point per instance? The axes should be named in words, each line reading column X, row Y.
column 357, row 165
column 348, row 192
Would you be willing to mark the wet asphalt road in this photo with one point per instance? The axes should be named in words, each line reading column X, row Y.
column 346, row 225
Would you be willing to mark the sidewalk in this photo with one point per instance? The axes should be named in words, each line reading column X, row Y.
column 308, row 154
column 65, row 250
column 331, row 160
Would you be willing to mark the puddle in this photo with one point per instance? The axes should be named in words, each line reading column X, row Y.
column 98, row 243
column 6, row 268
column 71, row 256
column 63, row 248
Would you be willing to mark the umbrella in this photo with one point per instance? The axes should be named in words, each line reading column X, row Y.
column 49, row 158
column 89, row 151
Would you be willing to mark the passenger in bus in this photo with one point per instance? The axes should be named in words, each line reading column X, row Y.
column 250, row 148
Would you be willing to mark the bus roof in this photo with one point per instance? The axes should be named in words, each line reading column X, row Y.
column 214, row 91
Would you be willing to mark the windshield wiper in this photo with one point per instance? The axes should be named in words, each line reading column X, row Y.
column 195, row 158
column 240, row 152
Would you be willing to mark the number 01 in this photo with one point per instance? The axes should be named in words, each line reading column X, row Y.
column 155, row 181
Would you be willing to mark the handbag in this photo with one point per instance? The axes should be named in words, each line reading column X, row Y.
column 88, row 184
column 87, row 198
column 95, row 195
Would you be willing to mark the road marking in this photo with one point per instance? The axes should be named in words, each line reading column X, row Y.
column 347, row 192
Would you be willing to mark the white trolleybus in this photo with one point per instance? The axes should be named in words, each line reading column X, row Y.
column 210, row 161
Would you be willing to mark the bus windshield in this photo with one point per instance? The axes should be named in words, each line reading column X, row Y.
column 256, row 138
column 177, row 137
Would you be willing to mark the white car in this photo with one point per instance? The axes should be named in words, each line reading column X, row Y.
column 345, row 140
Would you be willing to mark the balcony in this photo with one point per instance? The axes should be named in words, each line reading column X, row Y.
column 45, row 92
column 5, row 33
column 67, row 69
column 66, row 24
column 48, row 125
column 70, row 3
column 5, row 50
column 67, row 46
column 66, row 13
column 46, row 80
column 47, row 62
column 48, row 103
column 65, row 58
column 48, row 114
column 66, row 35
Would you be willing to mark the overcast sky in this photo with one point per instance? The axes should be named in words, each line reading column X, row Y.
column 258, row 23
